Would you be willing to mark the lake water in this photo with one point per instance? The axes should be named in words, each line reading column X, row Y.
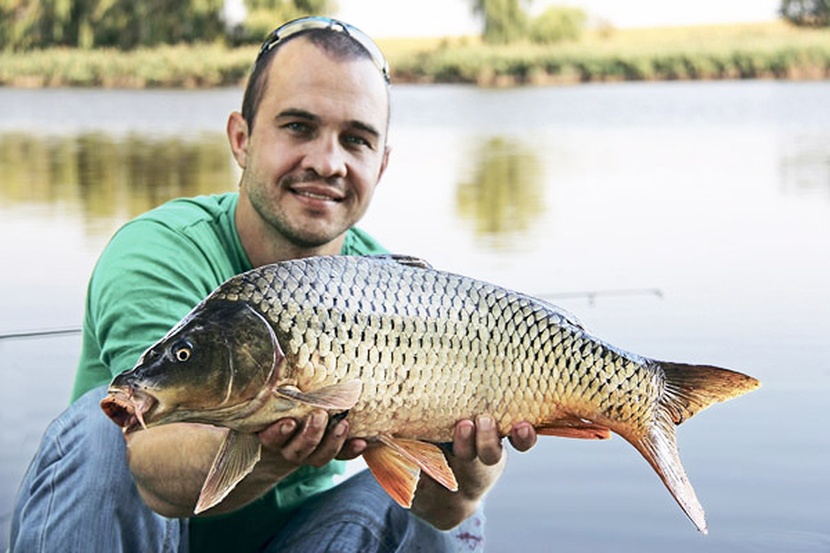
column 683, row 221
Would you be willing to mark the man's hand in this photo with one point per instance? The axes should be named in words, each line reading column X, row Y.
column 312, row 444
column 477, row 460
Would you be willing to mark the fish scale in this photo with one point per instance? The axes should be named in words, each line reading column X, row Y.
column 404, row 352
column 441, row 336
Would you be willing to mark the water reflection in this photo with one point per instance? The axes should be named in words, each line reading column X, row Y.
column 504, row 193
column 805, row 166
column 107, row 179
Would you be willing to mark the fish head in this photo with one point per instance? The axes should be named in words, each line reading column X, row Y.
column 214, row 365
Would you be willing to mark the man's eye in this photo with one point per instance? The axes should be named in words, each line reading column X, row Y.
column 297, row 127
column 356, row 140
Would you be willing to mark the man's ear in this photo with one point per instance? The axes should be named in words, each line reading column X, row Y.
column 238, row 138
column 385, row 162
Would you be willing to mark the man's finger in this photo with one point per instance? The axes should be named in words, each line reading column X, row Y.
column 304, row 442
column 464, row 442
column 488, row 444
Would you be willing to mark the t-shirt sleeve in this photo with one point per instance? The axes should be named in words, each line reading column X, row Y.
column 359, row 242
column 147, row 279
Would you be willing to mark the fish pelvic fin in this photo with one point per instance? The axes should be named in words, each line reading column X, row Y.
column 688, row 389
column 233, row 462
column 397, row 463
column 341, row 396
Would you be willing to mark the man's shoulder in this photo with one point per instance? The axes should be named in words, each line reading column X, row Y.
column 184, row 212
column 359, row 242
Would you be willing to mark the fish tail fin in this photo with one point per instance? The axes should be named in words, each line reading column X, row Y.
column 688, row 390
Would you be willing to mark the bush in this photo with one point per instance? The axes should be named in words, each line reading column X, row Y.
column 557, row 24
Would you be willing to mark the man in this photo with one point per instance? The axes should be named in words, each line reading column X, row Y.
column 311, row 142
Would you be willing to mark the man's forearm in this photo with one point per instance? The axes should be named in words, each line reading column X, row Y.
column 444, row 509
column 170, row 464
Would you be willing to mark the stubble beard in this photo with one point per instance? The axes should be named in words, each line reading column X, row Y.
column 303, row 234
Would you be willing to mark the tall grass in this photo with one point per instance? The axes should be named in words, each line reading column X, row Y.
column 774, row 50
column 770, row 50
column 165, row 66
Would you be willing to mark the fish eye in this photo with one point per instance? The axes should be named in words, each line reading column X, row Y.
column 182, row 351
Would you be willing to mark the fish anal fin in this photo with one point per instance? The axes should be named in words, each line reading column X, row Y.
column 395, row 473
column 339, row 397
column 233, row 462
column 574, row 427
column 397, row 464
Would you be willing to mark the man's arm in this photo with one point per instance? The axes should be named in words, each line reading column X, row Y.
column 478, row 459
column 170, row 462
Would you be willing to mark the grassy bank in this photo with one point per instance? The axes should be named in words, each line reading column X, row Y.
column 769, row 50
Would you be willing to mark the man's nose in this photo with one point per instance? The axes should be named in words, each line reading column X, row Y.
column 326, row 157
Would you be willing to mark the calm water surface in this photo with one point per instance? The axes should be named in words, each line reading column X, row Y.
column 698, row 212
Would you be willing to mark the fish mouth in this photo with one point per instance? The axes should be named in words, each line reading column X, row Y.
column 127, row 407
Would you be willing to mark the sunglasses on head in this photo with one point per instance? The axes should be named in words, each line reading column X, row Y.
column 317, row 22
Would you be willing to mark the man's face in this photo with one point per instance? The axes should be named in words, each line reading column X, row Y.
column 318, row 146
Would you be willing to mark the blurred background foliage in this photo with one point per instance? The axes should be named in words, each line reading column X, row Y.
column 206, row 43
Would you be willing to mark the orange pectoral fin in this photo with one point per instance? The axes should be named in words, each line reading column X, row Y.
column 233, row 462
column 574, row 427
column 397, row 464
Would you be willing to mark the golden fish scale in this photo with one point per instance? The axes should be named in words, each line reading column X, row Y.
column 433, row 347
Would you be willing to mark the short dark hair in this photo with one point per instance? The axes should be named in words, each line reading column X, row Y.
column 338, row 45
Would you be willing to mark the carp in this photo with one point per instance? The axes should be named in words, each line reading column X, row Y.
column 404, row 351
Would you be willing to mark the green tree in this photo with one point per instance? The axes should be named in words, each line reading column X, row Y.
column 126, row 24
column 558, row 23
column 265, row 15
column 807, row 13
column 505, row 21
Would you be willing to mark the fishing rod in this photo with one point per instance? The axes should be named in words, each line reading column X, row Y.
column 43, row 333
column 592, row 295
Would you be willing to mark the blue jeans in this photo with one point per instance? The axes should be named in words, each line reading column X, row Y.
column 78, row 495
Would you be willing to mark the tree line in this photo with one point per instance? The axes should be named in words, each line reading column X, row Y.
column 128, row 24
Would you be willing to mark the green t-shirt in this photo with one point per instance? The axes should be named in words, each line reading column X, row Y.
column 153, row 272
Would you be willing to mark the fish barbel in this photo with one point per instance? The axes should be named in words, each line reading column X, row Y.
column 404, row 352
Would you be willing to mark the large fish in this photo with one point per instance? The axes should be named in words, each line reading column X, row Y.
column 404, row 351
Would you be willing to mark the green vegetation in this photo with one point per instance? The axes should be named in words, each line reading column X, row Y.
column 128, row 24
column 771, row 50
column 811, row 13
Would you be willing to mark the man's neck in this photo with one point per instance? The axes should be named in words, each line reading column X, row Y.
column 264, row 246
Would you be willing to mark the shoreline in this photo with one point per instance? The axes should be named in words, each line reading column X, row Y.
column 774, row 50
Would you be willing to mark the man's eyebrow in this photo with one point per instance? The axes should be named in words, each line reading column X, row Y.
column 300, row 113
column 308, row 116
column 365, row 127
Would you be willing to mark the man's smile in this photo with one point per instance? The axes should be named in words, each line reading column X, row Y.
column 317, row 192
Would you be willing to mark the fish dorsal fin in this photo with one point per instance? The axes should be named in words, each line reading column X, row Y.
column 397, row 463
column 408, row 260
column 233, row 462
column 574, row 427
column 340, row 396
